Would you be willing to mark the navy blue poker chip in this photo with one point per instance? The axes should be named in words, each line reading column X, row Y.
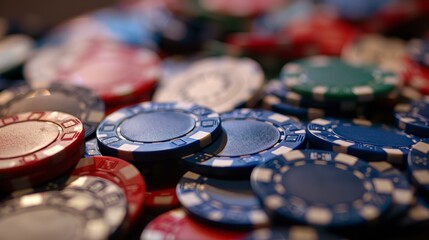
column 225, row 203
column 418, row 165
column 361, row 138
column 91, row 148
column 77, row 101
column 151, row 131
column 413, row 118
column 403, row 191
column 322, row 188
column 249, row 137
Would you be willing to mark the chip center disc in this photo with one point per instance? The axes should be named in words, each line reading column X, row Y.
column 157, row 126
column 46, row 101
column 41, row 223
column 230, row 192
column 371, row 135
column 321, row 184
column 243, row 137
column 26, row 137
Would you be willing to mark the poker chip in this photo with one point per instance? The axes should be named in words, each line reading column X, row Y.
column 403, row 192
column 361, row 138
column 176, row 224
column 304, row 186
column 219, row 83
column 91, row 148
column 413, row 118
column 290, row 233
column 110, row 196
column 14, row 51
column 29, row 182
column 215, row 201
column 418, row 165
column 249, row 138
column 94, row 64
column 74, row 100
column 75, row 216
column 44, row 139
column 329, row 78
column 419, row 78
column 417, row 216
column 418, row 50
column 120, row 172
column 150, row 131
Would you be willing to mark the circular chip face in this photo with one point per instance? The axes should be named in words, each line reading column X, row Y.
column 124, row 174
column 150, row 131
column 413, row 118
column 44, row 138
column 308, row 180
column 53, row 215
column 91, row 148
column 402, row 193
column 14, row 51
column 175, row 224
column 290, row 233
column 361, row 138
column 418, row 165
column 110, row 195
column 249, row 137
column 226, row 203
column 94, row 64
column 329, row 78
column 74, row 100
column 221, row 83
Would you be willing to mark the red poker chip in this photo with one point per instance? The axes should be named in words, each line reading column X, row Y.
column 161, row 198
column 420, row 79
column 175, row 224
column 41, row 176
column 35, row 140
column 121, row 172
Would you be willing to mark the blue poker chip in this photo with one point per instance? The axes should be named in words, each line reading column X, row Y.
column 91, row 148
column 322, row 188
column 417, row 217
column 356, row 10
column 403, row 191
column 249, row 138
column 361, row 138
column 413, row 118
column 151, row 131
column 418, row 49
column 226, row 203
column 77, row 101
column 418, row 165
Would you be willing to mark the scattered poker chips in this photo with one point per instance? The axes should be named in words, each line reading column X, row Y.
column 74, row 215
column 44, row 139
column 105, row 192
column 361, row 138
column 249, row 138
column 329, row 78
column 176, row 224
column 120, row 172
column 361, row 196
column 413, row 118
column 418, row 165
column 219, row 83
column 226, row 203
column 293, row 232
column 93, row 64
column 150, row 131
column 74, row 100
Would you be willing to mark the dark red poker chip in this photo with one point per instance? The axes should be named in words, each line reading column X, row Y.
column 175, row 224
column 121, row 172
column 39, row 177
column 35, row 140
column 419, row 79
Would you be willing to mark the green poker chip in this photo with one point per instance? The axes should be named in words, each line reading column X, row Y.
column 325, row 78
